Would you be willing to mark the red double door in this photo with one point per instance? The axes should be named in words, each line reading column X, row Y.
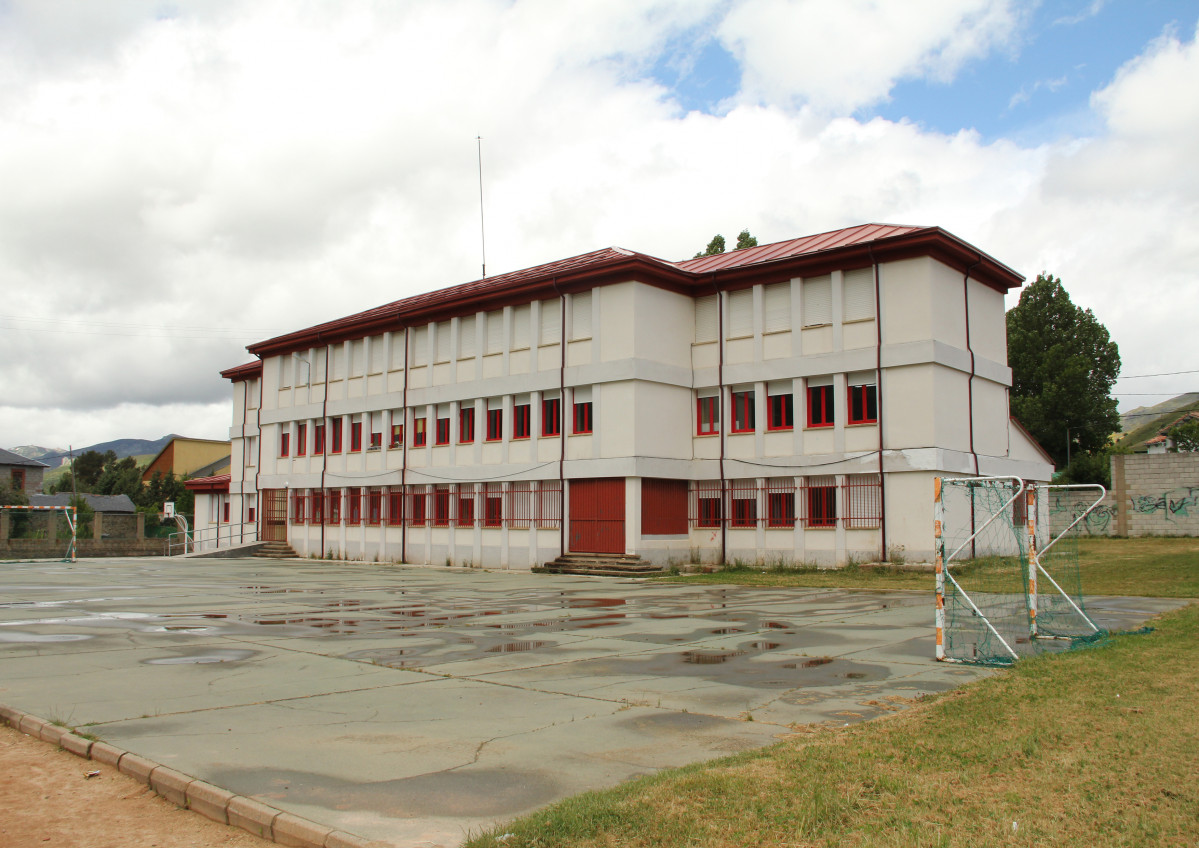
column 597, row 516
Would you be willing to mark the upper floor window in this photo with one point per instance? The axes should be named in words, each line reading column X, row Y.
column 441, row 332
column 284, row 444
column 495, row 421
column 443, row 431
column 495, row 331
column 335, row 447
column 419, row 434
column 318, row 437
column 705, row 319
column 582, row 410
column 521, row 423
column 551, row 322
column 551, row 416
column 466, row 424
column 355, row 436
column 863, row 404
column 776, row 299
column 376, row 431
column 580, row 307
column 707, row 415
column 817, row 301
column 466, row 337
column 743, row 412
column 820, row 405
column 301, row 439
column 741, row 313
column 780, row 409
column 857, row 294
column 397, row 434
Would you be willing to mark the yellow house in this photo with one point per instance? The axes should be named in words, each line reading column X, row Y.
column 187, row 457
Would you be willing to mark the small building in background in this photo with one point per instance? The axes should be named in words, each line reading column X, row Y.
column 21, row 474
column 189, row 458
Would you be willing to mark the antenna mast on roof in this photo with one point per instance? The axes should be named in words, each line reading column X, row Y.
column 482, row 228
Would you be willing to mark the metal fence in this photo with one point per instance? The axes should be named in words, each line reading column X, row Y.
column 535, row 505
column 782, row 502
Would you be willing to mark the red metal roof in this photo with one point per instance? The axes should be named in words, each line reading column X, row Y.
column 218, row 484
column 849, row 248
column 244, row 372
column 796, row 247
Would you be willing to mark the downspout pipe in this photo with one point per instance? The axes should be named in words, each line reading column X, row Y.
column 562, row 423
column 878, row 388
column 404, row 460
column 970, row 350
column 721, row 416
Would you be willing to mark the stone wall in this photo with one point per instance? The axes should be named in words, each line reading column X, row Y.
column 45, row 534
column 1156, row 494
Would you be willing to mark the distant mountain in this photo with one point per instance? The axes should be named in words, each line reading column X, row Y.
column 1143, row 415
column 35, row 452
column 121, row 447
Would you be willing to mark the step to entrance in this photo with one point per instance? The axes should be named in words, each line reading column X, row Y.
column 276, row 550
column 601, row 565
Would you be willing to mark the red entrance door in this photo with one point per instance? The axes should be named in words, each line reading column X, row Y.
column 274, row 515
column 597, row 516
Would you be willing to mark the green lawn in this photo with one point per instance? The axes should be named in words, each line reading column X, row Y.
column 1092, row 747
column 1164, row 567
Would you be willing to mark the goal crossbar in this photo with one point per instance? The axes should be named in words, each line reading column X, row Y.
column 72, row 516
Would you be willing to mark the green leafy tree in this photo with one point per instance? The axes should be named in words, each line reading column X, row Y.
column 744, row 239
column 1185, row 436
column 13, row 497
column 88, row 467
column 1064, row 364
column 715, row 246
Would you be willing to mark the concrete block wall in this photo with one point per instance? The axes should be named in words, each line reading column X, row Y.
column 1156, row 494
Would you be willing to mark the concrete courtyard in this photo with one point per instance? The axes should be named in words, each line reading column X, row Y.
column 415, row 705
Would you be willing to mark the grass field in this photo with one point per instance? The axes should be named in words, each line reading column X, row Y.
column 1164, row 567
column 1091, row 747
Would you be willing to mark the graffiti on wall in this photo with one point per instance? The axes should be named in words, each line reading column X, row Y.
column 1098, row 522
column 1175, row 503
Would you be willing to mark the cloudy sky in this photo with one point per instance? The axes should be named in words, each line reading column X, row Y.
column 182, row 178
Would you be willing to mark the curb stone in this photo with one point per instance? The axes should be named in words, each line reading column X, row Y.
column 188, row 792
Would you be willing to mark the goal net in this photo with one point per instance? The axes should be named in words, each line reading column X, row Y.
column 1007, row 567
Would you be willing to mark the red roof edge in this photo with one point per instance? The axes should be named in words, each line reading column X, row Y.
column 218, row 484
column 244, row 372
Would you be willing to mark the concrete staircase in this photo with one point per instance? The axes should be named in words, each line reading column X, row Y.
column 601, row 565
column 276, row 550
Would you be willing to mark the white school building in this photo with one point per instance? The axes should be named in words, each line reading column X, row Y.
column 790, row 402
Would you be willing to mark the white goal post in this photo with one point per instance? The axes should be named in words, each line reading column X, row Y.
column 72, row 522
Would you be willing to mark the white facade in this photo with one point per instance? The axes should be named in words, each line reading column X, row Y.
column 746, row 411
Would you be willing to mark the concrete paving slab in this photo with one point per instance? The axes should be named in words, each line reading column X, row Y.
column 414, row 704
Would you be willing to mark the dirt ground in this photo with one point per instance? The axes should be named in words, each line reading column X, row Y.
column 47, row 800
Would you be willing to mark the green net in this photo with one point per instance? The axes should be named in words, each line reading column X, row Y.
column 987, row 607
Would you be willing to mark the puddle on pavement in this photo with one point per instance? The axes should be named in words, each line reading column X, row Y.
column 30, row 638
column 765, row 646
column 586, row 603
column 515, row 647
column 221, row 655
column 724, row 631
column 710, row 657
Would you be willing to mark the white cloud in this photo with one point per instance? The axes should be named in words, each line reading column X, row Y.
column 261, row 168
column 842, row 56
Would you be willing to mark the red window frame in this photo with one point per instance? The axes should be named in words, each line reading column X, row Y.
column 418, row 514
column 376, row 440
column 299, row 508
column 743, row 511
column 522, row 421
column 442, row 437
column 744, row 415
column 395, row 507
column 374, row 507
column 353, row 506
column 419, row 436
column 397, row 435
column 707, row 416
column 582, row 417
column 333, row 506
column 318, row 436
column 225, row 513
column 822, row 506
column 466, row 425
column 495, row 424
column 862, row 402
column 551, row 416
column 284, row 444
column 493, row 508
column 251, row 513
column 355, row 437
column 466, row 508
column 780, row 509
column 441, row 507
column 780, row 412
column 708, row 508
column 335, row 437
column 820, row 406
column 301, row 439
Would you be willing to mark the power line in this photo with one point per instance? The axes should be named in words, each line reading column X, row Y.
column 1163, row 374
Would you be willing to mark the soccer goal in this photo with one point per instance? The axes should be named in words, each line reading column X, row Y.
column 72, row 522
column 1006, row 559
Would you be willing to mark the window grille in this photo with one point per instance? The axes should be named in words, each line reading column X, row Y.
column 863, row 501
